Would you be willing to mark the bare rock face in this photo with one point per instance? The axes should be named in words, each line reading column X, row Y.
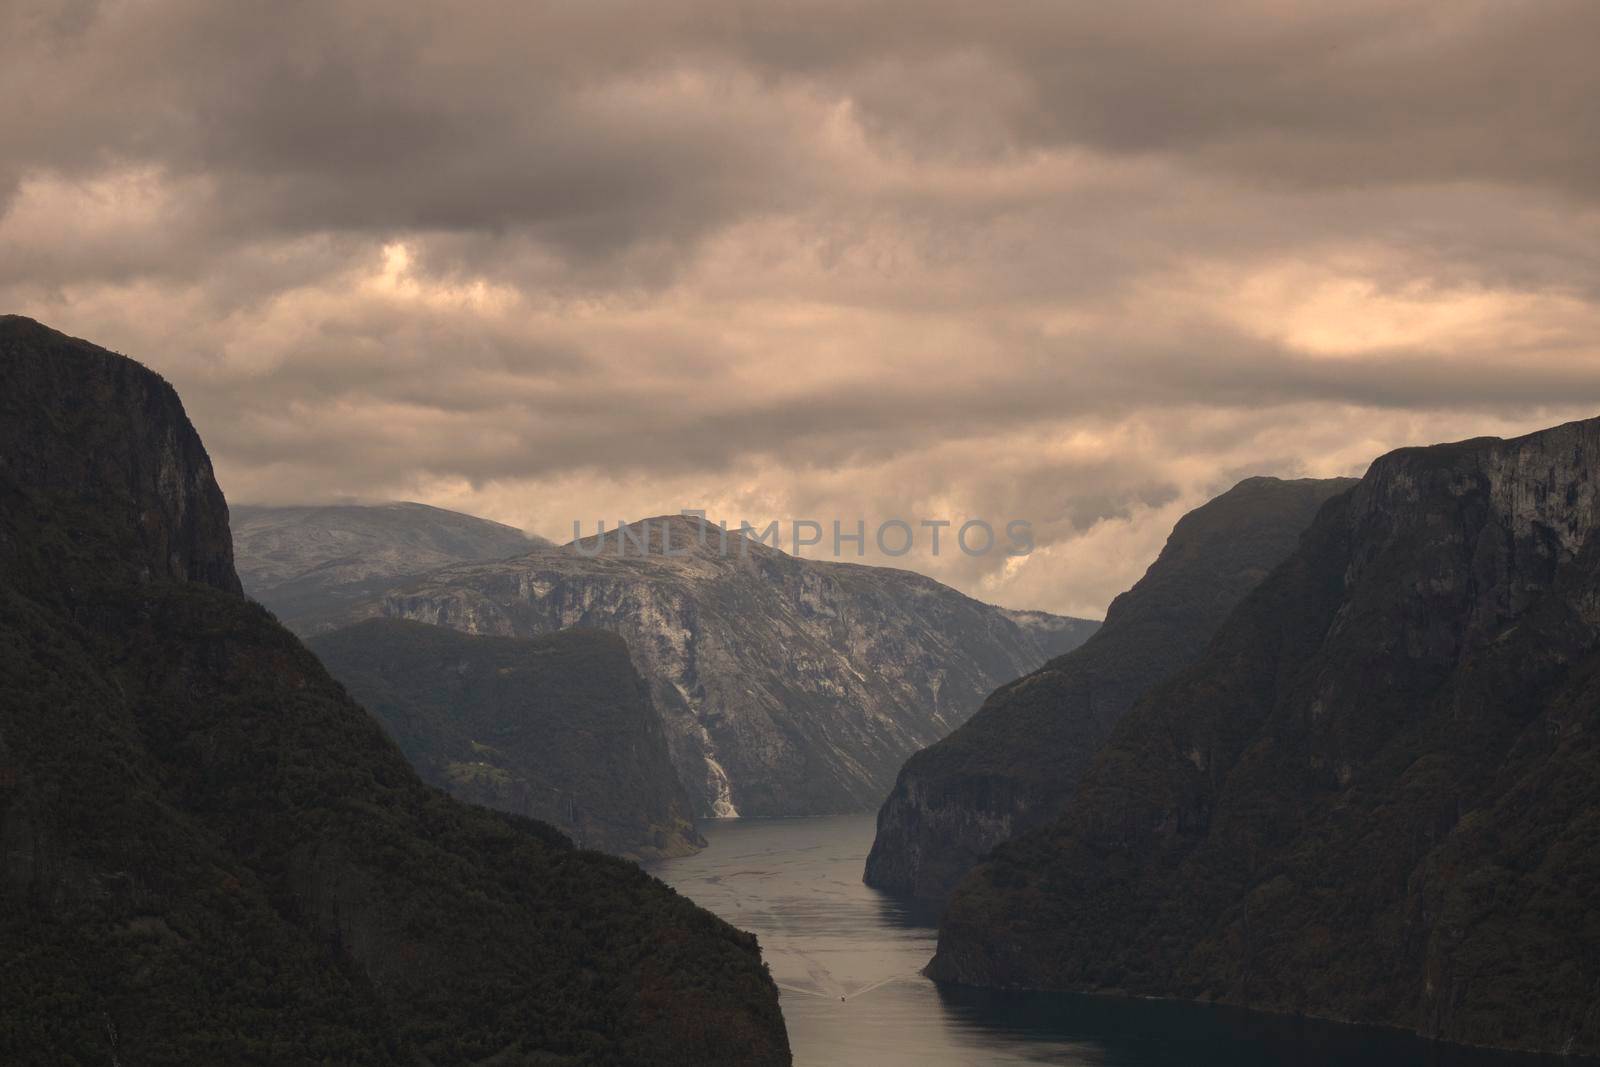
column 1015, row 764
column 1373, row 798
column 210, row 854
column 789, row 686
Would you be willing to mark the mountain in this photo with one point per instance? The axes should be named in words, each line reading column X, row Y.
column 1014, row 764
column 558, row 727
column 1375, row 797
column 309, row 563
column 789, row 686
column 210, row 854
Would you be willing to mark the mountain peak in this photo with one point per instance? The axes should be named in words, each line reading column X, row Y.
column 675, row 535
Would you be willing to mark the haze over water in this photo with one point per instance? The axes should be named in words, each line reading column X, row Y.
column 796, row 884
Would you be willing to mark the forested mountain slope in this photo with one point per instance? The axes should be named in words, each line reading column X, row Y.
column 1014, row 764
column 210, row 854
column 558, row 727
column 1376, row 797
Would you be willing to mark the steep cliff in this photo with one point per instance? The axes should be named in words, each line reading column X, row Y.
column 789, row 686
column 103, row 435
column 209, row 854
column 1375, row 797
column 1015, row 763
column 308, row 564
column 558, row 728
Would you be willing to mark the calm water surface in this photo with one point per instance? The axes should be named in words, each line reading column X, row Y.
column 796, row 884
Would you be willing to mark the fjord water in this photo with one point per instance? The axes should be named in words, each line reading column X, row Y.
column 846, row 959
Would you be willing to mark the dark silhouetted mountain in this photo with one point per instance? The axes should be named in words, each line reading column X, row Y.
column 558, row 727
column 209, row 854
column 1375, row 797
column 308, row 564
column 1015, row 763
column 788, row 686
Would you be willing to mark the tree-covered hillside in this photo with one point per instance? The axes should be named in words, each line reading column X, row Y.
column 1375, row 797
column 210, row 854
column 559, row 727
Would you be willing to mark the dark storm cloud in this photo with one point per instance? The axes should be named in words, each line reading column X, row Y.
column 1077, row 262
column 598, row 126
column 304, row 118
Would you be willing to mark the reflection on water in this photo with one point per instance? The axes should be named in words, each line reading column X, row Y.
column 846, row 959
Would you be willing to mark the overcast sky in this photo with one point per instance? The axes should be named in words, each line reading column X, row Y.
column 1079, row 263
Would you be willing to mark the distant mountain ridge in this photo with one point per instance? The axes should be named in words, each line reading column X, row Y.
column 558, row 727
column 309, row 563
column 1375, row 797
column 1015, row 763
column 209, row 854
column 789, row 686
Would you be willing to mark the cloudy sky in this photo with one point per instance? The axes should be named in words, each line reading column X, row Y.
column 1079, row 263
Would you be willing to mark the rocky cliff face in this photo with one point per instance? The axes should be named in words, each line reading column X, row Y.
column 209, row 854
column 559, row 727
column 135, row 457
column 309, row 564
column 1375, row 797
column 789, row 687
column 1017, row 761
